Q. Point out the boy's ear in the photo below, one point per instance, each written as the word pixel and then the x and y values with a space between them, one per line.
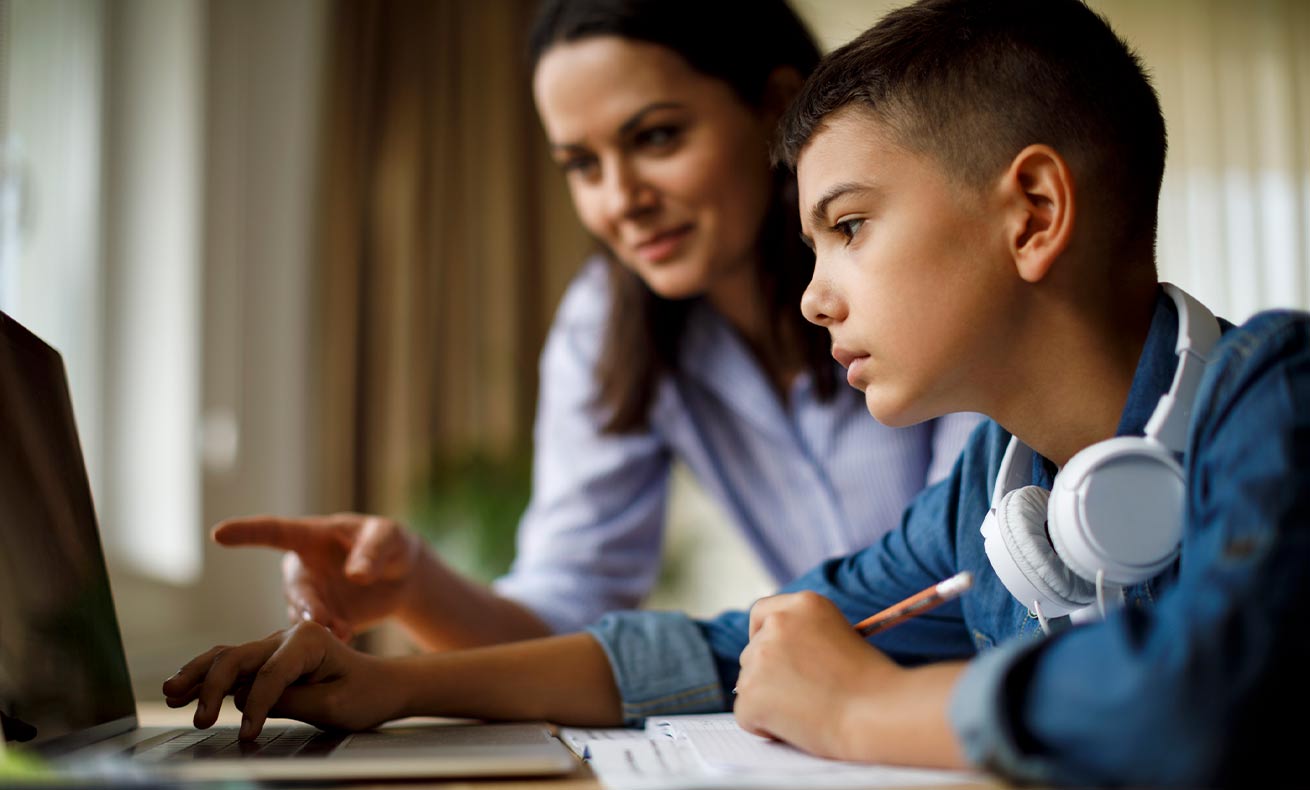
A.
pixel 1038 191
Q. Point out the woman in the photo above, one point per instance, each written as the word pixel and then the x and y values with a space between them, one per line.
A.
pixel 683 339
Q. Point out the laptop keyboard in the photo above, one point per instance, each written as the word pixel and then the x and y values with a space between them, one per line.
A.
pixel 222 742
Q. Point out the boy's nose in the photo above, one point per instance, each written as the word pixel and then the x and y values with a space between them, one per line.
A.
pixel 820 304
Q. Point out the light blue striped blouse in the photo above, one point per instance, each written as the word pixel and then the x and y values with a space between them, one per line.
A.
pixel 803 481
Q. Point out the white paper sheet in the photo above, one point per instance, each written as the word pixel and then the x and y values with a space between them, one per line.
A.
pixel 713 752
pixel 579 738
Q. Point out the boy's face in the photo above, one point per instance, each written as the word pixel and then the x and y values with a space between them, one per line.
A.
pixel 912 275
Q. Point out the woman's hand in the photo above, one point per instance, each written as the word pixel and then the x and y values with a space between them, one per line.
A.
pixel 346 571
pixel 302 673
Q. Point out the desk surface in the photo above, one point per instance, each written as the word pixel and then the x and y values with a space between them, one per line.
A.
pixel 157 714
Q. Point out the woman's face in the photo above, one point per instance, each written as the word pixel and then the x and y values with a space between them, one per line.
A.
pixel 666 166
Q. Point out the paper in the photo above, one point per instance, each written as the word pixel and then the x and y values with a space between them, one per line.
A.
pixel 579 738
pixel 645 764
pixel 713 752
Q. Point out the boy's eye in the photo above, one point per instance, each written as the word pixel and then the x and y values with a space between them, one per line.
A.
pixel 848 228
pixel 657 136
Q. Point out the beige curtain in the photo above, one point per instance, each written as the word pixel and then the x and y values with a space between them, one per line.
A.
pixel 446 240
pixel 1234 81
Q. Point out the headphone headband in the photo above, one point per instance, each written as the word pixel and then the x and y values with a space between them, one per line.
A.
pixel 1198 333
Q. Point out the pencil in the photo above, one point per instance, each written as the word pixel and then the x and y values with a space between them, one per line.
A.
pixel 916 604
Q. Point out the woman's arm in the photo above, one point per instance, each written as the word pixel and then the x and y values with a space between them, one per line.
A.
pixel 588 543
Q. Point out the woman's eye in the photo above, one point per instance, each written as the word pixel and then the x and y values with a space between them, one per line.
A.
pixel 657 136
pixel 577 164
pixel 848 228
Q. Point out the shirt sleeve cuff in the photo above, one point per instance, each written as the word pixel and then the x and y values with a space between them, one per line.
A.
pixel 661 664
pixel 981 712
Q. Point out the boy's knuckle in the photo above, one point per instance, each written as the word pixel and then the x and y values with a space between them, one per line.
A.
pixel 810 600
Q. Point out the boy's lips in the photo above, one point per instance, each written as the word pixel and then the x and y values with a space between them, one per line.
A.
pixel 851 360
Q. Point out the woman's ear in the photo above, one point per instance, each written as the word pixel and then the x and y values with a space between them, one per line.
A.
pixel 1038 191
pixel 782 87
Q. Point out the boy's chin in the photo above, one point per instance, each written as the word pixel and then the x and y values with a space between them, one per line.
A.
pixel 892 411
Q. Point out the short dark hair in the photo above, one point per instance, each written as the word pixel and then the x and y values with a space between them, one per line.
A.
pixel 973 82
pixel 740 43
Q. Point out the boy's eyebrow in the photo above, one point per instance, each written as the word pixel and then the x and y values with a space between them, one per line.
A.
pixel 627 126
pixel 820 210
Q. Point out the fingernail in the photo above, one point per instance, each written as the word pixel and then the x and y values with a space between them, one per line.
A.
pixel 246 729
pixel 200 710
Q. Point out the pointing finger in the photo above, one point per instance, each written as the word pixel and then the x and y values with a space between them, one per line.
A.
pixel 288 534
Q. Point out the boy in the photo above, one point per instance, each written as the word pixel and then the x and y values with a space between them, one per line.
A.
pixel 979 181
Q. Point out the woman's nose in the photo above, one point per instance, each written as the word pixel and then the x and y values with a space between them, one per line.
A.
pixel 627 194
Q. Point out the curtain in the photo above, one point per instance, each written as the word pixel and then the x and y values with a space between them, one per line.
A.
pixel 446 239
pixel 1234 81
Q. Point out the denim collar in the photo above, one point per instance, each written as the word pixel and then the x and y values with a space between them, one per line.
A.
pixel 1155 368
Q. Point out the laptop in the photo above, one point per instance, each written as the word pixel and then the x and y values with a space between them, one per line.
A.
pixel 64 687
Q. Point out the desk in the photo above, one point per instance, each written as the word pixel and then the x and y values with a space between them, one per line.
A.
pixel 157 714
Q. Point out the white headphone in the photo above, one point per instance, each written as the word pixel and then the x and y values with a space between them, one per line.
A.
pixel 1114 514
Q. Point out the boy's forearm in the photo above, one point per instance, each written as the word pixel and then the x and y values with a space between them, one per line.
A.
pixel 562 679
pixel 907 723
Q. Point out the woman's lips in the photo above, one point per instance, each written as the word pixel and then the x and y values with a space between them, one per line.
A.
pixel 663 245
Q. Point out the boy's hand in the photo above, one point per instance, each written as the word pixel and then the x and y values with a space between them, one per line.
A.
pixel 302 673
pixel 345 571
pixel 803 670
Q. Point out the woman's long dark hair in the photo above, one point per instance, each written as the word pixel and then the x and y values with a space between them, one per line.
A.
pixel 741 42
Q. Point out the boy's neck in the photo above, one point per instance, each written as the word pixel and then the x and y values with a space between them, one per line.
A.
pixel 1079 358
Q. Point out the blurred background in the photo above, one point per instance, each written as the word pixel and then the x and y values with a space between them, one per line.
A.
pixel 300 256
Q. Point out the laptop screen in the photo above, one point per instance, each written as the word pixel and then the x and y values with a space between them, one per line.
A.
pixel 62 669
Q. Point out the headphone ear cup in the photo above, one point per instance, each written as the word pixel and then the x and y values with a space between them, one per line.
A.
pixel 1117 507
pixel 1021 523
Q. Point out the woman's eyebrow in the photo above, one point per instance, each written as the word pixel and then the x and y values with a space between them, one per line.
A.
pixel 635 119
pixel 627 126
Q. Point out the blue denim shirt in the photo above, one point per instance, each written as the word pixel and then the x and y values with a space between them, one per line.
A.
pixel 1179 686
